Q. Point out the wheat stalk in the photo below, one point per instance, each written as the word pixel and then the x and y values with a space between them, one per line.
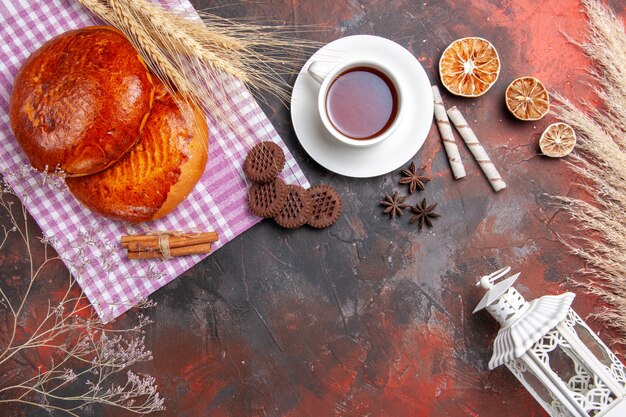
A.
pixel 201 59
pixel 601 159
pixel 179 33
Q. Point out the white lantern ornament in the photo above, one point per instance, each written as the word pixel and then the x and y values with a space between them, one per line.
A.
pixel 552 352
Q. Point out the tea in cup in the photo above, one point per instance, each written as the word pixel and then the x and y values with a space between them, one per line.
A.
pixel 359 102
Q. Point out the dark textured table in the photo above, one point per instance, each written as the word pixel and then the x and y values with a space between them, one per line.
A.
pixel 372 317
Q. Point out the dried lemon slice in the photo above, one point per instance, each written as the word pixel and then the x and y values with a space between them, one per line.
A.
pixel 469 67
pixel 527 98
pixel 557 140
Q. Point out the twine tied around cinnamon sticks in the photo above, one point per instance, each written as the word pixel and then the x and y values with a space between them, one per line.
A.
pixel 167 244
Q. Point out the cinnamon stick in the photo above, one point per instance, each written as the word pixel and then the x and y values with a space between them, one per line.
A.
pixel 151 242
pixel 179 251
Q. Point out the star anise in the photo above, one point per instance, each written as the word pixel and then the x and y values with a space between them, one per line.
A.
pixel 423 214
pixel 414 177
pixel 393 205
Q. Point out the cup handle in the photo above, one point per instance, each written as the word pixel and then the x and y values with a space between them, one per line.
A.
pixel 315 72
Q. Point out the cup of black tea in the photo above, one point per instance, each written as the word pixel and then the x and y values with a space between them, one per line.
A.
pixel 359 102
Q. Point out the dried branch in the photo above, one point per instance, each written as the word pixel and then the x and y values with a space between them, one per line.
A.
pixel 65 357
pixel 600 238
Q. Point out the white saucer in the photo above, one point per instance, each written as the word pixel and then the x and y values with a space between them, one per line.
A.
pixel 388 155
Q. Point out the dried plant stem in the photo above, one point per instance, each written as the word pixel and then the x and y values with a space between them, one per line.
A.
pixel 600 238
pixel 200 59
pixel 115 13
pixel 181 32
pixel 84 357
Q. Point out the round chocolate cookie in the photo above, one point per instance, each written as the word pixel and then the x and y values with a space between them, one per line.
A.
pixel 297 209
pixel 267 200
pixel 264 162
pixel 327 206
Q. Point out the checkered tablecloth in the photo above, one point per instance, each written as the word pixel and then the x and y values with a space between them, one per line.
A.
pixel 88 243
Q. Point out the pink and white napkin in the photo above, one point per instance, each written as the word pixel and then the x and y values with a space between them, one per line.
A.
pixel 88 243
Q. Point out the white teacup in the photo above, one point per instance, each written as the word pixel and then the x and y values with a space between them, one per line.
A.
pixel 326 78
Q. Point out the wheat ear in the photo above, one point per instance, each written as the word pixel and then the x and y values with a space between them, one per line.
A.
pixel 600 237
